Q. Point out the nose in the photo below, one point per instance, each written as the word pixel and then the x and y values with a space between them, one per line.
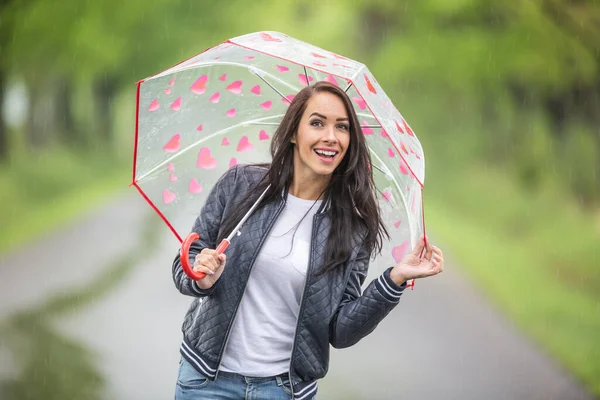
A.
pixel 329 136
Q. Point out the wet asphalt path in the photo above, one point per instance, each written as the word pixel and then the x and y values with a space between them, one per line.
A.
pixel 444 340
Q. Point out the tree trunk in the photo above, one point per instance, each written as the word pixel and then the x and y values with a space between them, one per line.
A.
pixel 33 132
pixel 64 114
pixel 3 130
pixel 105 89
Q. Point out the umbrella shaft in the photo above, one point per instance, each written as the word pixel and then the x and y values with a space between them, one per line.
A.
pixel 238 227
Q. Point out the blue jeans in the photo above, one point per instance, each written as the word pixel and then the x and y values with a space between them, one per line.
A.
pixel 192 385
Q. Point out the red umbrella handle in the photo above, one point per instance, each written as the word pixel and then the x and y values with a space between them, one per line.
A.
pixel 185 258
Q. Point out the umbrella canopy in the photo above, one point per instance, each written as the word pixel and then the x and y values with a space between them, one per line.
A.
pixel 221 107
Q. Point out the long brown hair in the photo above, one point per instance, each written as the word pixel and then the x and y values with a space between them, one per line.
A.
pixel 350 192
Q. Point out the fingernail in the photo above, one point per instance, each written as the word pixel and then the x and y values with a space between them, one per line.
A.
pixel 211 272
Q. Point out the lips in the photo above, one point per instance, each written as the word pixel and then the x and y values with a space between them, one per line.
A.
pixel 326 155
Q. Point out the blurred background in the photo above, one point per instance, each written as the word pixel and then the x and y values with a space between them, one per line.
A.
pixel 503 95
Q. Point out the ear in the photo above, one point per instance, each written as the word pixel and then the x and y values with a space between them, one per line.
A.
pixel 293 140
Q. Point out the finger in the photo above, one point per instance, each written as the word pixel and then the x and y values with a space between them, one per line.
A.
pixel 214 254
pixel 437 251
pixel 209 262
pixel 202 268
pixel 222 259
pixel 209 252
pixel 439 266
pixel 419 247
pixel 428 250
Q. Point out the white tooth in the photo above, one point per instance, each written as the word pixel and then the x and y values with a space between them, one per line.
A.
pixel 326 153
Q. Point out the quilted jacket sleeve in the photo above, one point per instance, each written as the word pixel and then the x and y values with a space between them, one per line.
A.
pixel 207 226
pixel 358 315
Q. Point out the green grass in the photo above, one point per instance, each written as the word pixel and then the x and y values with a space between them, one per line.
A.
pixel 38 194
pixel 536 257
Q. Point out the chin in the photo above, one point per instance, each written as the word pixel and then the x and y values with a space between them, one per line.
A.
pixel 327 171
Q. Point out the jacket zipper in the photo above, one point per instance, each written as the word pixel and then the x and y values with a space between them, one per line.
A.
pixel 235 314
pixel 308 271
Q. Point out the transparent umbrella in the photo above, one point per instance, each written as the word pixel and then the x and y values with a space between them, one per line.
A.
pixel 221 107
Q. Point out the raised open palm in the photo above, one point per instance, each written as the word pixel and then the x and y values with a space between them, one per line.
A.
pixel 415 266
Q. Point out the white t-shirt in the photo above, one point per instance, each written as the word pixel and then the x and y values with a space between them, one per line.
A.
pixel 261 339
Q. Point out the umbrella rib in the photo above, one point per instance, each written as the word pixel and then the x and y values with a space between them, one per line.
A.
pixel 306 75
pixel 272 87
pixel 371 126
pixel 348 87
pixel 264 123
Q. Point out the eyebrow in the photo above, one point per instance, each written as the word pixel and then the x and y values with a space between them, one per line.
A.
pixel 324 117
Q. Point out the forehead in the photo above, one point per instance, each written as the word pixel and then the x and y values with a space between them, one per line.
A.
pixel 327 104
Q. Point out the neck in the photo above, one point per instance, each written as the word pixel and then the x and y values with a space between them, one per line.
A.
pixel 308 189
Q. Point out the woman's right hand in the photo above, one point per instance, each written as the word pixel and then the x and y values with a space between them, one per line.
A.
pixel 211 263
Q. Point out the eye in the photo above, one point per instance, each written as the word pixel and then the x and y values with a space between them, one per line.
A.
pixel 343 127
pixel 316 122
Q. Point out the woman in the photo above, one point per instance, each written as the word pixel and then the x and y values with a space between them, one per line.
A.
pixel 261 327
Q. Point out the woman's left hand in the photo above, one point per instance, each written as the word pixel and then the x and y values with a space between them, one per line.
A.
pixel 412 266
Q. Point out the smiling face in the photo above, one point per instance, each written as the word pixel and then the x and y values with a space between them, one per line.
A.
pixel 322 138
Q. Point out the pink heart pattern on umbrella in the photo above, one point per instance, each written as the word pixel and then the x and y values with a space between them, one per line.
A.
pixel 154 105
pixel 398 252
pixel 263 135
pixel 235 87
pixel 244 144
pixel 172 145
pixel 168 197
pixel 176 104
pixel 194 187
pixel 215 98
pixel 360 102
pixel 199 87
pixel 303 81
pixel 331 79
pixel 205 159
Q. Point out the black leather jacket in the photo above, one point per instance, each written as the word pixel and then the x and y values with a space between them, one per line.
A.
pixel 332 309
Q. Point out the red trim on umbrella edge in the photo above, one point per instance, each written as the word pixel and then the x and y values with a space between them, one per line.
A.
pixel 137 119
pixel 189 58
pixel 157 211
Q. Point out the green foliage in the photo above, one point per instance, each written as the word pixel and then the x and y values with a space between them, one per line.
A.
pixel 579 164
pixel 40 193
pixel 534 257
pixel 533 151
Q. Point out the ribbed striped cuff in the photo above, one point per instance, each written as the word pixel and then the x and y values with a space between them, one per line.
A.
pixel 388 288
pixel 197 362
pixel 306 392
